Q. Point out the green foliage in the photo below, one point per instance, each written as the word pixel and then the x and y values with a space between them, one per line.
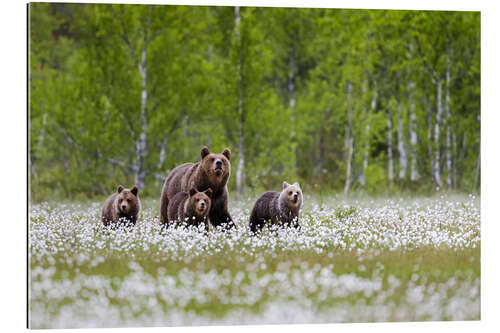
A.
pixel 376 178
pixel 293 83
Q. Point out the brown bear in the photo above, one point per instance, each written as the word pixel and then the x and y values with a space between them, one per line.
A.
pixel 121 207
pixel 191 208
pixel 280 208
pixel 211 172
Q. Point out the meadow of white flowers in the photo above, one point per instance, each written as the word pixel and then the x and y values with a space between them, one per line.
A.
pixel 331 270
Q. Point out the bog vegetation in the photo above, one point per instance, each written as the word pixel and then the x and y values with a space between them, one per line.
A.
pixel 352 261
pixel 339 100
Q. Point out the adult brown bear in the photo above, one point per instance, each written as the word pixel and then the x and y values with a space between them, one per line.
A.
pixel 211 172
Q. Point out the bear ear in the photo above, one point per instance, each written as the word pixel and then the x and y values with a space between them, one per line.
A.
pixel 192 191
pixel 296 184
pixel 227 153
pixel 285 185
pixel 120 188
pixel 209 192
pixel 134 190
pixel 204 152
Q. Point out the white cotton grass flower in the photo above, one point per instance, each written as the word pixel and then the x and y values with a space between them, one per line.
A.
pixel 85 275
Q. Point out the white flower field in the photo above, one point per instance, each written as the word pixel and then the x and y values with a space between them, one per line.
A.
pixel 412 259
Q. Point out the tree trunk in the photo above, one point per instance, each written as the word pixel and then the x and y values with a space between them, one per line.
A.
pixel 321 150
pixel 413 135
pixel 455 160
pixel 429 135
pixel 349 141
pixel 389 144
pixel 241 116
pixel 478 168
pixel 437 128
pixel 142 140
pixel 448 127
pixel 366 153
pixel 366 148
pixel 163 148
pixel 412 123
pixel 403 157
pixel 461 158
pixel 449 174
pixel 164 143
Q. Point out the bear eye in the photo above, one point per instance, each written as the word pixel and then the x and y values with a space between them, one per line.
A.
pixel 290 193
pixel 212 159
pixel 128 200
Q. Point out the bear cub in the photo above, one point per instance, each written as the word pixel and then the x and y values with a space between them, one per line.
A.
pixel 280 208
pixel 122 207
pixel 212 172
pixel 191 208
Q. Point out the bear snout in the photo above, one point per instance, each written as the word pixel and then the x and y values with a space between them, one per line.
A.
pixel 124 207
pixel 218 164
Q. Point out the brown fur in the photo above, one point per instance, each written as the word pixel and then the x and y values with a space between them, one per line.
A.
pixel 122 206
pixel 213 172
pixel 190 208
pixel 280 208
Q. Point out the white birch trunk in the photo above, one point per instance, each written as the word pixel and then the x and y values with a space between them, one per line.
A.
pixel 461 153
pixel 478 168
pixel 241 146
pixel 164 144
pixel 413 136
pixel 366 147
pixel 163 148
pixel 362 177
pixel 437 128
pixel 403 157
pixel 413 125
pixel 448 158
pixel 389 145
pixel 455 162
pixel 429 135
pixel 448 127
pixel 142 140
pixel 349 141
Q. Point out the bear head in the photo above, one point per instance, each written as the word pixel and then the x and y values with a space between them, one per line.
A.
pixel 216 166
pixel 291 195
pixel 199 201
pixel 127 201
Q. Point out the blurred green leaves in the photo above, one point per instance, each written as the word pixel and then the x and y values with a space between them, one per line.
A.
pixel 85 93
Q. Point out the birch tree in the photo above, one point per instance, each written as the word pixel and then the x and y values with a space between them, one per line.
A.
pixel 333 98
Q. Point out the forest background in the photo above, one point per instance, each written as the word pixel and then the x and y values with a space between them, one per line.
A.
pixel 343 101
